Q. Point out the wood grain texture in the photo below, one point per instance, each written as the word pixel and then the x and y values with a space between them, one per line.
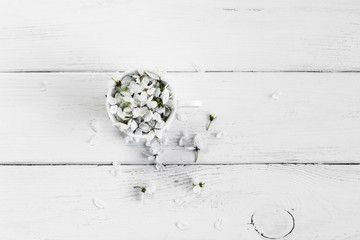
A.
pixel 56 202
pixel 315 119
pixel 261 35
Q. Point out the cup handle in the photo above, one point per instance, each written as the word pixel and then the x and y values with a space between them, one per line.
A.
pixel 189 103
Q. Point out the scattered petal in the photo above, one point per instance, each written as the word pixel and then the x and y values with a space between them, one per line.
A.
pixel 129 139
pixel 43 85
pixel 97 203
pixel 134 125
pixel 218 224
pixel 196 189
pixel 276 95
pixel 95 126
pixel 183 226
pixel 93 140
pixel 179 201
pixel 199 68
pixel 221 134
pixel 159 167
pixel 115 172
pixel 181 117
pixel 150 189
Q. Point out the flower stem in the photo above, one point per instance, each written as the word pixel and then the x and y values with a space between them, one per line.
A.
pixel 197 155
pixel 207 129
pixel 115 81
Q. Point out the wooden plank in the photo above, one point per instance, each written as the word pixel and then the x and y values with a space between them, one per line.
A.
pixel 314 119
pixel 57 202
pixel 226 35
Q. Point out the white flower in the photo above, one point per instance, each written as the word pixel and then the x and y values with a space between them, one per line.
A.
pixel 139 112
pixel 165 96
pixel 111 100
pixel 113 109
pixel 148 116
pixel 198 185
pixel 117 76
pixel 149 189
pixel 133 125
pixel 153 75
pixel 198 144
pixel 153 154
pixel 151 104
pixel 212 117
pixel 135 88
pixel 157 117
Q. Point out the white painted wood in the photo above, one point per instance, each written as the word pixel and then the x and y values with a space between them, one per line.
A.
pixel 311 117
pixel 98 35
pixel 56 202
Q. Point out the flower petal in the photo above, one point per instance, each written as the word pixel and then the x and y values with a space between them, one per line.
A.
pixel 134 125
pixel 113 109
pixel 144 127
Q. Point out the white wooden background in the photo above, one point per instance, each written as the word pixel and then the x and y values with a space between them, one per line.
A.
pixel 288 162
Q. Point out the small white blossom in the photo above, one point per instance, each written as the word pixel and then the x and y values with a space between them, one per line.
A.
pixel 149 189
pixel 212 117
pixel 155 154
pixel 198 185
pixel 197 145
pixel 165 96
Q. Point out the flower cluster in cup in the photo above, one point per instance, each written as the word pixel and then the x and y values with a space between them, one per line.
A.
pixel 141 103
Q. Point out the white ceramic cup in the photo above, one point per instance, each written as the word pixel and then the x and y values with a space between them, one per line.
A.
pixel 178 104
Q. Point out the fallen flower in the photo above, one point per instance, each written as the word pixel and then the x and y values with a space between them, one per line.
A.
pixel 212 117
pixel 198 144
pixel 198 185
pixel 149 189
pixel 154 154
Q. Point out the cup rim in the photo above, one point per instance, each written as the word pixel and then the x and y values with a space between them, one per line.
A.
pixel 113 119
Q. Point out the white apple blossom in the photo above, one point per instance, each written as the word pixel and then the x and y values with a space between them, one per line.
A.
pixel 149 189
pixel 155 154
pixel 197 185
pixel 212 117
pixel 198 144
